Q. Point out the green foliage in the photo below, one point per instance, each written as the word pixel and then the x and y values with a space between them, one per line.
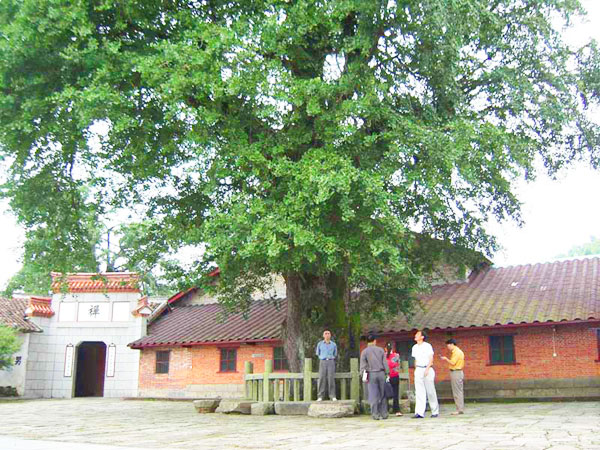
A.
pixel 290 137
pixel 9 344
pixel 589 248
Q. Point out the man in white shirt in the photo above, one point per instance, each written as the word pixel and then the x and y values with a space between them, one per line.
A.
pixel 424 377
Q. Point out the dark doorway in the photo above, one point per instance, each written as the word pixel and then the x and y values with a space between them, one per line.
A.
pixel 89 378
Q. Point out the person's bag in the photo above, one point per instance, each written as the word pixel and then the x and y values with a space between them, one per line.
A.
pixel 365 377
pixel 388 390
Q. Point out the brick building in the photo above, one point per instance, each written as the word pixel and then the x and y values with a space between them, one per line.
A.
pixel 530 331
pixel 527 331
pixel 191 352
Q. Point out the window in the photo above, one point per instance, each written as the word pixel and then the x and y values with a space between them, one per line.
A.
pixel 280 362
pixel 228 357
pixel 162 361
pixel 502 350
pixel 404 349
pixel 598 339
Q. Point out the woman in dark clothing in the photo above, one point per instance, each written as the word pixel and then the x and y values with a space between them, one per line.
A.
pixel 393 360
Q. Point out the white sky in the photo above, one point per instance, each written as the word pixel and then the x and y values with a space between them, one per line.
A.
pixel 558 214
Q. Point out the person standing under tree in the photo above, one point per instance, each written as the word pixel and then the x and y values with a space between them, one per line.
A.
pixel 327 352
pixel 424 377
pixel 393 360
pixel 373 362
pixel 456 364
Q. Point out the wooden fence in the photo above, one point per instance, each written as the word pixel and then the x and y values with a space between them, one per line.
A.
pixel 272 386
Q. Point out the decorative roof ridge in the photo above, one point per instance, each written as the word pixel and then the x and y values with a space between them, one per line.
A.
pixel 100 282
pixel 558 261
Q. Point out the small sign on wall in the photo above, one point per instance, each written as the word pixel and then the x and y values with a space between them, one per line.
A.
pixel 258 355
pixel 110 360
pixel 69 353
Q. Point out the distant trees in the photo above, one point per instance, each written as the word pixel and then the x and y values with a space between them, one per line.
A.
pixel 589 248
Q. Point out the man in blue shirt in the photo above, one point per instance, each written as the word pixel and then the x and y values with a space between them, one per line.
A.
pixel 327 352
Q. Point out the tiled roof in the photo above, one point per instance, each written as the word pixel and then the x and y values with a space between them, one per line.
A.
pixel 12 314
pixel 40 307
pixel 96 282
pixel 550 292
pixel 201 324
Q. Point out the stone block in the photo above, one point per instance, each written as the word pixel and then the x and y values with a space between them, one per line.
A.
pixel 586 382
pixel 262 408
pixel 405 406
pixel 207 405
pixel 292 408
pixel 234 407
pixel 548 383
pixel 331 410
pixel 365 407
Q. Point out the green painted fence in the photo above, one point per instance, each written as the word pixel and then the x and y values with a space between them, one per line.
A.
pixel 272 386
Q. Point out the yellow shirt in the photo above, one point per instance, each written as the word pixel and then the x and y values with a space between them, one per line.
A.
pixel 457 359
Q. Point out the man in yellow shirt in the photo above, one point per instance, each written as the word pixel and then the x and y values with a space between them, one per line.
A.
pixel 456 364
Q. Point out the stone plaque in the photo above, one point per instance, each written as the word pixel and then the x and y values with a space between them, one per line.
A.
pixel 69 360
pixel 110 360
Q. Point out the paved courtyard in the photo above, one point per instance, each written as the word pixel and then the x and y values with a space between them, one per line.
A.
pixel 94 424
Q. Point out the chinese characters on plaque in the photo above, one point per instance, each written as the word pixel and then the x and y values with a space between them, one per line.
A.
pixel 94 310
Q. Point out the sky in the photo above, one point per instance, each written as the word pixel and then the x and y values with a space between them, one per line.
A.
pixel 558 214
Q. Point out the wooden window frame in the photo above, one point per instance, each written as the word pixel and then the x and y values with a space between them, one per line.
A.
pixel 514 352
pixel 285 366
pixel 221 360
pixel 161 367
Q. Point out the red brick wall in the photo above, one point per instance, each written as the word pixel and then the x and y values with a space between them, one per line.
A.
pixel 576 350
pixel 199 365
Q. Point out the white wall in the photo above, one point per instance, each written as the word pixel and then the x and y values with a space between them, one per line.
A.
pixel 15 376
pixel 46 365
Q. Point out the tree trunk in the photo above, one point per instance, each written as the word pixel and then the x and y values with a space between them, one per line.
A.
pixel 292 331
pixel 313 304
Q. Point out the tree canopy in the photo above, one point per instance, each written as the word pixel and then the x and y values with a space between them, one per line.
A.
pixel 305 138
pixel 9 345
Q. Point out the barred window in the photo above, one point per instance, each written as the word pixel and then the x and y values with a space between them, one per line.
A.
pixel 404 349
pixel 162 361
pixel 502 350
pixel 228 359
pixel 280 361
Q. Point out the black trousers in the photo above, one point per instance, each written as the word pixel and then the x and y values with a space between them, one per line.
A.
pixel 395 382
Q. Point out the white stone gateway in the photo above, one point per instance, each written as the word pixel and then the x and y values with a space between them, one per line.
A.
pixel 87 323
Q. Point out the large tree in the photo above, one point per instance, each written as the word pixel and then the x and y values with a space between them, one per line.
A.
pixel 302 138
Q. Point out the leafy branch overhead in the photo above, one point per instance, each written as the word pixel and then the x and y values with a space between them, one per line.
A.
pixel 305 138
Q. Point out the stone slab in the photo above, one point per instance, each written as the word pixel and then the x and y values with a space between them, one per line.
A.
pixel 108 422
pixel 205 406
pixel 262 408
pixel 292 408
pixel 331 410
pixel 235 407
pixel 405 406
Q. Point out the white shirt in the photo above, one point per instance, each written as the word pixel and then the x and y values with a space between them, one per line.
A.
pixel 422 353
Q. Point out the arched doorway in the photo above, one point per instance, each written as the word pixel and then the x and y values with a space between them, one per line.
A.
pixel 91 361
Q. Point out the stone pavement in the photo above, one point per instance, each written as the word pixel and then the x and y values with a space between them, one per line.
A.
pixel 97 423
